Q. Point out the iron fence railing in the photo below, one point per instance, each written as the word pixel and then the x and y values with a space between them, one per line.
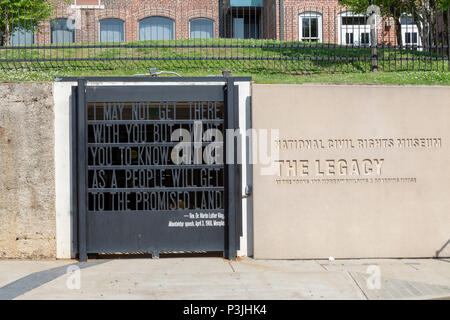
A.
pixel 266 37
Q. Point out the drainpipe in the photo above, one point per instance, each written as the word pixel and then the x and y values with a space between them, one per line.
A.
pixel 221 20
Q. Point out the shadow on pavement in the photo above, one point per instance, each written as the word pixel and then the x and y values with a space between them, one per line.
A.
pixel 37 279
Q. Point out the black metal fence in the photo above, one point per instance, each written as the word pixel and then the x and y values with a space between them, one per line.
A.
pixel 294 39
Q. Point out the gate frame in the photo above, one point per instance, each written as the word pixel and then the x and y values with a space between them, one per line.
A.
pixel 233 172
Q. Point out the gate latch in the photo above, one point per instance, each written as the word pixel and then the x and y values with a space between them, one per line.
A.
pixel 248 191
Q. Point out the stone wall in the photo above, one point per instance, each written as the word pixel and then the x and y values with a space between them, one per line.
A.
pixel 27 192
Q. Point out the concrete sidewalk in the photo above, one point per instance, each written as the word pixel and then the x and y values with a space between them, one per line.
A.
pixel 216 278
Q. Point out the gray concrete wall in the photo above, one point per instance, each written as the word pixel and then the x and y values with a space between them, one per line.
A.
pixel 27 192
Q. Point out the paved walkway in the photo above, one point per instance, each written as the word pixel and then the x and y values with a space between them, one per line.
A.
pixel 215 278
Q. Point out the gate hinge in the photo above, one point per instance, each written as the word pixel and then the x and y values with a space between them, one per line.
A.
pixel 248 191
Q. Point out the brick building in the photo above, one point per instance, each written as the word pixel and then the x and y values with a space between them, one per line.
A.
pixel 324 21
pixel 89 21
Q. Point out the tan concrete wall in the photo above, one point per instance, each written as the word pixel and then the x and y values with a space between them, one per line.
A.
pixel 27 193
pixel 392 201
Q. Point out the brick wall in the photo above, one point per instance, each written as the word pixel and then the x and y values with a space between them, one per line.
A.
pixel 271 19
pixel 329 10
pixel 182 11
pixel 87 2
pixel 131 12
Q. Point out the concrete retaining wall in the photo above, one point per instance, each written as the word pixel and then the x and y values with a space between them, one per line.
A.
pixel 407 215
pixel 27 192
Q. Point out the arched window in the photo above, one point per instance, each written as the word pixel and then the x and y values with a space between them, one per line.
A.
pixel 310 27
pixel 112 30
pixel 22 37
pixel 156 28
pixel 202 28
pixel 63 30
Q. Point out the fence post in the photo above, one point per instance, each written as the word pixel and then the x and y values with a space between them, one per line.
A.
pixel 374 53
pixel 373 41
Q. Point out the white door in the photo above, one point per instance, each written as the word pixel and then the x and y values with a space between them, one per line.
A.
pixel 410 32
pixel 353 30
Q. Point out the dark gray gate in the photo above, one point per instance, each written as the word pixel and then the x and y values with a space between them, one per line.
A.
pixel 129 195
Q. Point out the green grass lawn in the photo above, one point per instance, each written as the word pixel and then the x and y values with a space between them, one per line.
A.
pixel 271 61
pixel 212 55
pixel 392 78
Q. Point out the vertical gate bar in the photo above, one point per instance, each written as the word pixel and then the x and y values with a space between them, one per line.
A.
pixel 82 165
pixel 230 230
pixel 237 169
pixel 249 178
pixel 74 168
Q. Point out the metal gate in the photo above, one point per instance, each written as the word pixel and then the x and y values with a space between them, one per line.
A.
pixel 149 174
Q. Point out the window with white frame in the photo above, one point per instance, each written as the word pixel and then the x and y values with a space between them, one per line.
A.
pixel 310 27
